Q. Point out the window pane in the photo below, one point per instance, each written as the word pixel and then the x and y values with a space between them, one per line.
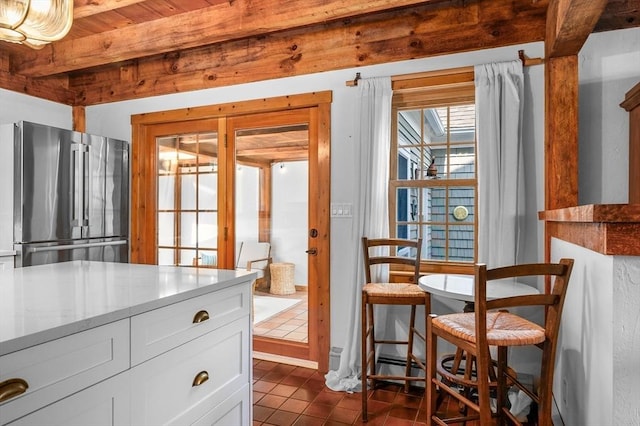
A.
pixel 462 204
pixel 462 163
pixel 461 242
pixel 208 191
pixel 165 229
pixel 435 203
pixel 435 125
pixel 409 127
pixel 462 123
pixel 188 194
pixel 166 192
pixel 165 256
pixel 408 231
pixel 187 258
pixel 433 242
pixel 188 230
pixel 208 230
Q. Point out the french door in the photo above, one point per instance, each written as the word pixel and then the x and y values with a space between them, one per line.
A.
pixel 194 182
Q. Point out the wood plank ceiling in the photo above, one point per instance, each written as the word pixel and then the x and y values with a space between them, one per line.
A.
pixel 126 49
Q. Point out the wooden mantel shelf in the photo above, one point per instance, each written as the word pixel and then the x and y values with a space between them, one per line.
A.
pixel 611 229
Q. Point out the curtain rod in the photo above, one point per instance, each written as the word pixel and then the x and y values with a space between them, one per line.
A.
pixel 526 62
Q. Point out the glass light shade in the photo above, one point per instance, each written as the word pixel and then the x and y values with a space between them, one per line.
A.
pixel 35 22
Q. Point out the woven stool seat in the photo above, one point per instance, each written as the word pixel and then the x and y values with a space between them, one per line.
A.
pixel 393 290
pixel 503 328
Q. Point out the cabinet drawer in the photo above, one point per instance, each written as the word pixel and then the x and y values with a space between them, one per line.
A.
pixel 56 369
pixel 160 330
pixel 163 390
pixel 104 404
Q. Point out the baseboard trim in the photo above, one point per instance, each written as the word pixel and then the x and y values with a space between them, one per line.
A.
pixel 285 360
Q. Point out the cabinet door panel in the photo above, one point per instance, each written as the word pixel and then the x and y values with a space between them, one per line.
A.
pixel 233 411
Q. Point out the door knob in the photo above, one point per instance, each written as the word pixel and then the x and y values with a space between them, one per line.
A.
pixel 312 251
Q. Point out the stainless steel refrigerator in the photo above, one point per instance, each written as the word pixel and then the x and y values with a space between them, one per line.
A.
pixel 71 196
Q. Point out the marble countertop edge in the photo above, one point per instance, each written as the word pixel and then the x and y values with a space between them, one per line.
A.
pixel 143 297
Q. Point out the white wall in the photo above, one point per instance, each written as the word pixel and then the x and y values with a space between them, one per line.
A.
pixel 15 107
pixel 609 66
pixel 598 357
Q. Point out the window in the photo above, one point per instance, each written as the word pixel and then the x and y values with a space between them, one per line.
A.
pixel 187 199
pixel 433 181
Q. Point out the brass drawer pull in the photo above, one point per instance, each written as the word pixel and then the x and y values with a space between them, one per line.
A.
pixel 11 388
pixel 201 316
pixel 200 378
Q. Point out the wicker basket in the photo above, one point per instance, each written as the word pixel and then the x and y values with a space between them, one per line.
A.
pixel 282 278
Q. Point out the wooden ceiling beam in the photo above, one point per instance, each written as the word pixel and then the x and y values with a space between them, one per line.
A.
pixel 85 8
pixel 423 31
pixel 52 89
pixel 228 21
pixel 569 23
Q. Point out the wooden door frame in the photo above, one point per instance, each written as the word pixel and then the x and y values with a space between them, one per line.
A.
pixel 143 191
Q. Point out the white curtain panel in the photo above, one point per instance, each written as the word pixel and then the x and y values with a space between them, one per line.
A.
pixel 499 106
pixel 370 213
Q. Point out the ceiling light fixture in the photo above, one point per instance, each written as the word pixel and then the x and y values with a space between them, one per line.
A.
pixel 35 22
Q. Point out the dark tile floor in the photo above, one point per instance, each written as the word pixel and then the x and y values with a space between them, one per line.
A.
pixel 289 395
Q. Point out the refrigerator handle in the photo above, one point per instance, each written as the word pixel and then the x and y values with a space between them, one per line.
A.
pixel 86 184
pixel 76 246
pixel 77 185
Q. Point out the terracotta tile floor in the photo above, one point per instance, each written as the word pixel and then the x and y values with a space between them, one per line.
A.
pixel 289 395
pixel 290 324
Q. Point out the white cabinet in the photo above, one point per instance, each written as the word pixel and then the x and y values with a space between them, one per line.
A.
pixel 184 363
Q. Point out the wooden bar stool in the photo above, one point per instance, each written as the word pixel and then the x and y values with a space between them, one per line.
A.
pixel 402 254
pixel 491 325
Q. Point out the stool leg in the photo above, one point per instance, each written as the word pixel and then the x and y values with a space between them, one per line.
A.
pixel 431 393
pixel 501 391
pixel 364 352
pixel 483 362
pixel 412 326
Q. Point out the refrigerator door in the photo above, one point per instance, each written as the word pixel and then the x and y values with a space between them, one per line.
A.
pixel 49 183
pixel 116 212
pixel 107 250
pixel 94 164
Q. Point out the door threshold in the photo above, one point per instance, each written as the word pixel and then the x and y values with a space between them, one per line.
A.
pixel 286 360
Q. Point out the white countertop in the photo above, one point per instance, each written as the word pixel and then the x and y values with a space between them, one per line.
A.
pixel 46 302
pixel 7 252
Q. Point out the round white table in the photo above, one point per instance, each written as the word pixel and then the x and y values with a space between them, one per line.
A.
pixel 462 287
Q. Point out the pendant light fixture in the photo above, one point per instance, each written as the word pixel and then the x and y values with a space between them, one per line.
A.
pixel 35 22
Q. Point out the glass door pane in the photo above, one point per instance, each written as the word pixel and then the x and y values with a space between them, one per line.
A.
pixel 271 187
pixel 187 199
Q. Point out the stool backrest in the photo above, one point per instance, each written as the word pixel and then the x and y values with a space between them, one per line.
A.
pixel 559 273
pixel 391 251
